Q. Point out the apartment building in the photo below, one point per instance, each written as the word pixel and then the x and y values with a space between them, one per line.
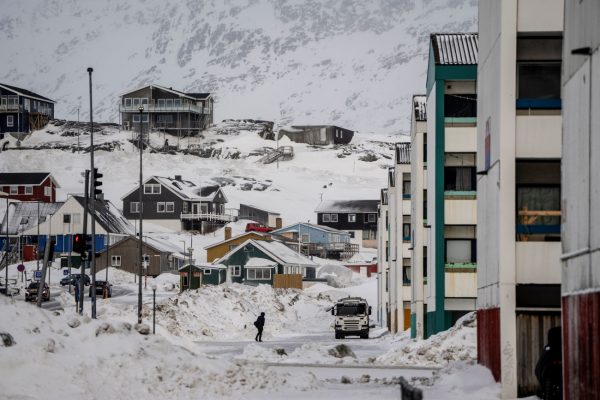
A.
pixel 418 216
pixel 382 259
pixel 518 186
pixel 581 185
pixel 451 187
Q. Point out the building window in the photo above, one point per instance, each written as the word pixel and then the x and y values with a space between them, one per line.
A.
pixel 334 218
pixel 134 207
pixel 351 233
pixel 14 190
pixel 232 246
pixel 66 218
pixel 369 235
pixel 207 271
pixel 160 207
pixel 406 232
pixel 305 238
pixel 10 121
pixel 351 217
pixel 326 218
pixel 406 186
pixel 255 274
pixel 115 261
pixel 460 105
pixel 372 217
pixel 136 117
pixel 236 270
pixel 152 188
pixel 460 178
pixel 47 191
pixel 460 251
pixel 128 103
pixel 538 80
pixel 177 102
pixel 170 207
pixel 28 189
pixel 164 119
pixel 185 207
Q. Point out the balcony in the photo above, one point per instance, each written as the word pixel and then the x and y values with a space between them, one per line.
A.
pixel 461 283
pixel 154 108
pixel 208 217
pixel 10 108
pixel 538 262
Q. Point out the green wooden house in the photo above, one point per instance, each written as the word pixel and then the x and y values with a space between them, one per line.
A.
pixel 194 276
pixel 255 261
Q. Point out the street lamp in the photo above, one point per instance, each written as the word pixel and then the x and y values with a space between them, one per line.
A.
pixel 140 210
pixel 154 308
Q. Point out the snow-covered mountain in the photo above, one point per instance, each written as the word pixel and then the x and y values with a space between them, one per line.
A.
pixel 353 63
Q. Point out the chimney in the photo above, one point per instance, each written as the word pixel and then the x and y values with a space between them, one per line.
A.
pixel 278 223
pixel 227 233
pixel 178 178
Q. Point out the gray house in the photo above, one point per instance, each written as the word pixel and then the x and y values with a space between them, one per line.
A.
pixel 261 215
pixel 167 110
pixel 317 134
pixel 176 204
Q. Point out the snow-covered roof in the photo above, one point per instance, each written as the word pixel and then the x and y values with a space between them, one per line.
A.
pixel 276 250
pixel 403 153
pixel 324 228
pixel 184 189
pixel 24 215
pixel 109 217
pixel 455 48
pixel 260 262
pixel 193 96
pixel 201 266
pixel 348 206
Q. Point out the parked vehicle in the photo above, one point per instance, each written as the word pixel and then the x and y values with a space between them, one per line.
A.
pixel 100 285
pixel 74 278
pixel 32 291
pixel 256 227
pixel 351 317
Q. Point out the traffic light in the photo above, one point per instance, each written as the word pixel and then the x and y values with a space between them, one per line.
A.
pixel 96 183
pixel 82 244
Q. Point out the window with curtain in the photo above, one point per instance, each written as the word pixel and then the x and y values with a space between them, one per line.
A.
pixel 538 198
pixel 460 178
pixel 460 251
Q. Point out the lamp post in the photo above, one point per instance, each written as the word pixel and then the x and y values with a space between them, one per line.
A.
pixel 140 211
pixel 154 308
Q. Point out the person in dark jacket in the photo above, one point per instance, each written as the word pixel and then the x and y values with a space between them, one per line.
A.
pixel 549 367
pixel 259 324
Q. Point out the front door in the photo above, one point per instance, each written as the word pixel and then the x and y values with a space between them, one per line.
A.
pixel 204 208
pixel 195 208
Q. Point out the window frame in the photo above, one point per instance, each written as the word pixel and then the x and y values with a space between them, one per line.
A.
pixel 134 207
pixel 371 217
pixel 115 260
pixel 254 270
pixel 171 205
pixel 326 217
pixel 14 189
pixel 334 218
pixel 152 187
pixel 237 268
pixel 159 205
pixel 207 271
pixel 351 217
pixel 10 121
pixel 28 189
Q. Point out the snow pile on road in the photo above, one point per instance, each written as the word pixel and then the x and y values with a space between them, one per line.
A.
pixel 458 343
pixel 308 353
pixel 111 359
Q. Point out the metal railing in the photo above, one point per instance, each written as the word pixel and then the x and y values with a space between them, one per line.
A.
pixel 159 108
pixel 209 217
pixel 11 107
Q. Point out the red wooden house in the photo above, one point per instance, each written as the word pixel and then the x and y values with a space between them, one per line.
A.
pixel 29 186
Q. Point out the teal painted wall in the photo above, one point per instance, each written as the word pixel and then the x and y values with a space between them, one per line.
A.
pixel 241 257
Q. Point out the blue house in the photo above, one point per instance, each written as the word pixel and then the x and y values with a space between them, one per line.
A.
pixel 320 240
pixel 22 110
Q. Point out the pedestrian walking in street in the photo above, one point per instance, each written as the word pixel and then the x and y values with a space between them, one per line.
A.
pixel 259 324
pixel 76 292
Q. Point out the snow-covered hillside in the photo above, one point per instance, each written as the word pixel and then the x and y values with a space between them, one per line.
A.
pixel 294 188
pixel 347 62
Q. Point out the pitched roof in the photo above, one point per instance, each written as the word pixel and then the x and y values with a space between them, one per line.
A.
pixel 108 216
pixel 455 48
pixel 318 227
pixel 259 208
pixel 184 189
pixel 24 215
pixel 420 107
pixel 158 245
pixel 26 93
pixel 267 235
pixel 193 96
pixel 260 262
pixel 276 250
pixel 24 178
pixel 348 206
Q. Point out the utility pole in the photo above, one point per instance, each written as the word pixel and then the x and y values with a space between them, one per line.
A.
pixel 140 211
pixel 92 257
pixel 48 251
pixel 37 245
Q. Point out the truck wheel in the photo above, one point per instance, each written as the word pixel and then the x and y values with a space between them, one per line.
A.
pixel 364 336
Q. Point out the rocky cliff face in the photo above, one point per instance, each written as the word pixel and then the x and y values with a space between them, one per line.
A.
pixel 353 63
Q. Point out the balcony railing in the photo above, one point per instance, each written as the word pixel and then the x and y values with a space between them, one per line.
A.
pixel 209 217
pixel 10 107
pixel 155 108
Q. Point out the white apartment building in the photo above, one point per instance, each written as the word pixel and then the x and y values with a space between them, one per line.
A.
pixel 383 306
pixel 519 186
pixel 420 231
pixel 580 198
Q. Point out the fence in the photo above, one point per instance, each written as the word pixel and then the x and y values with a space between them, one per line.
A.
pixel 287 281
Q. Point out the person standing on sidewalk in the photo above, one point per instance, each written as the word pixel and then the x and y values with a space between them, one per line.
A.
pixel 259 324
